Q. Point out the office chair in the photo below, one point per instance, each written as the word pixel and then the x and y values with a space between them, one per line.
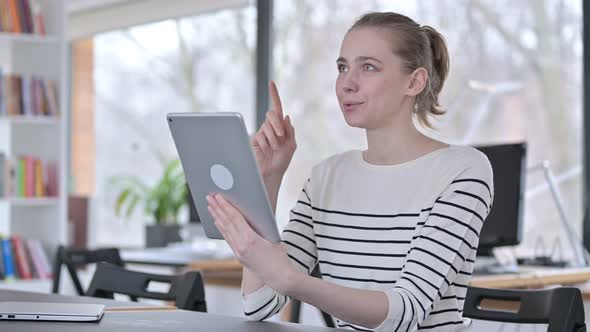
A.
pixel 74 259
pixel 562 308
pixel 187 290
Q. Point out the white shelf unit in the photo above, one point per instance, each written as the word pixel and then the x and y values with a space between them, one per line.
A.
pixel 38 120
pixel 42 137
pixel 35 285
pixel 28 38
pixel 31 202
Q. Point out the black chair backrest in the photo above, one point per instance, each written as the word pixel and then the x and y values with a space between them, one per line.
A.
pixel 562 308
pixel 186 290
pixel 74 259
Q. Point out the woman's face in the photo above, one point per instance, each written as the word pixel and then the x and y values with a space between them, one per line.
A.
pixel 371 85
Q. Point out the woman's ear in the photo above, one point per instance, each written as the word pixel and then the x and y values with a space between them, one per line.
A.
pixel 418 81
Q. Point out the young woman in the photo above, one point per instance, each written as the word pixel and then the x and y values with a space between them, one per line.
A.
pixel 393 228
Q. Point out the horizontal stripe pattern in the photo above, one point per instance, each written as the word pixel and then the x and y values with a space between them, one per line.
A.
pixel 442 252
pixel 422 249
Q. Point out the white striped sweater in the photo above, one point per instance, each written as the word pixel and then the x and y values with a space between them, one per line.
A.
pixel 410 230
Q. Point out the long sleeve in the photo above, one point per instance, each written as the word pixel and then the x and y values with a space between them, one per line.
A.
pixel 299 240
pixel 439 251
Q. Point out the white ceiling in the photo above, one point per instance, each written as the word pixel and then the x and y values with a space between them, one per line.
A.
pixel 89 17
pixel 73 6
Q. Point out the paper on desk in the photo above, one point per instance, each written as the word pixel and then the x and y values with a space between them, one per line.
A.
pixel 204 247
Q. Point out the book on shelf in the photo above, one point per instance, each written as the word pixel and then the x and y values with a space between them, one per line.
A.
pixel 23 259
pixel 52 179
pixel 14 19
pixel 40 256
pixel 5 23
pixel 38 19
pixel 4 176
pixel 7 258
pixel 3 91
pixel 27 177
pixel 37 268
pixel 21 16
pixel 28 95
pixel 2 270
pixel 20 257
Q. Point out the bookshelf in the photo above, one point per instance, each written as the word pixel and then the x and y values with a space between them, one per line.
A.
pixel 38 120
pixel 31 202
pixel 36 285
pixel 8 37
pixel 38 136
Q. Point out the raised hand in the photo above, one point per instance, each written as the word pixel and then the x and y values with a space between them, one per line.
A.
pixel 274 144
pixel 269 261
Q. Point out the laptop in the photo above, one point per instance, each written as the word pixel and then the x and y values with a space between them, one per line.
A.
pixel 215 153
pixel 46 311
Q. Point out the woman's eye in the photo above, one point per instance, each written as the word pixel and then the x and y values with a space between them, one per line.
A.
pixel 342 68
pixel 369 67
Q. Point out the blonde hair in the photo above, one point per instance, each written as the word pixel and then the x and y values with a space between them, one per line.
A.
pixel 418 46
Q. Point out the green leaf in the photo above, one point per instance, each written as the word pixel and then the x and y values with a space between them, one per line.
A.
pixel 132 205
pixel 162 201
pixel 121 200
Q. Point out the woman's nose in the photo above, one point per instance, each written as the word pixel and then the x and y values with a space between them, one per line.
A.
pixel 350 83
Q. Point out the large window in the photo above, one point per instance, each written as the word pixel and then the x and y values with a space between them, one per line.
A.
pixel 515 75
pixel 192 64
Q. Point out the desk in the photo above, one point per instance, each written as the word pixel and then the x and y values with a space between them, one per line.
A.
pixel 170 257
pixel 534 278
pixel 216 270
pixel 179 320
pixel 142 320
pixel 228 272
pixel 112 305
pixel 220 272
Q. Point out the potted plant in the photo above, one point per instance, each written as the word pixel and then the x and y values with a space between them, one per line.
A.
pixel 162 202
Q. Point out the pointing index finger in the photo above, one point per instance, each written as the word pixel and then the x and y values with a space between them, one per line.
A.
pixel 276 99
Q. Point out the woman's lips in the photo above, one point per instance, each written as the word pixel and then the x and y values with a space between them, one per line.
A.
pixel 351 107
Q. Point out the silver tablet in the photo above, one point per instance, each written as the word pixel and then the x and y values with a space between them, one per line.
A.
pixel 75 312
pixel 215 153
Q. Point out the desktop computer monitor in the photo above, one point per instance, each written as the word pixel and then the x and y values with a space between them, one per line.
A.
pixel 503 226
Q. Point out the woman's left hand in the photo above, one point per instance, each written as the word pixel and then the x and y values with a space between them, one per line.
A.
pixel 268 260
